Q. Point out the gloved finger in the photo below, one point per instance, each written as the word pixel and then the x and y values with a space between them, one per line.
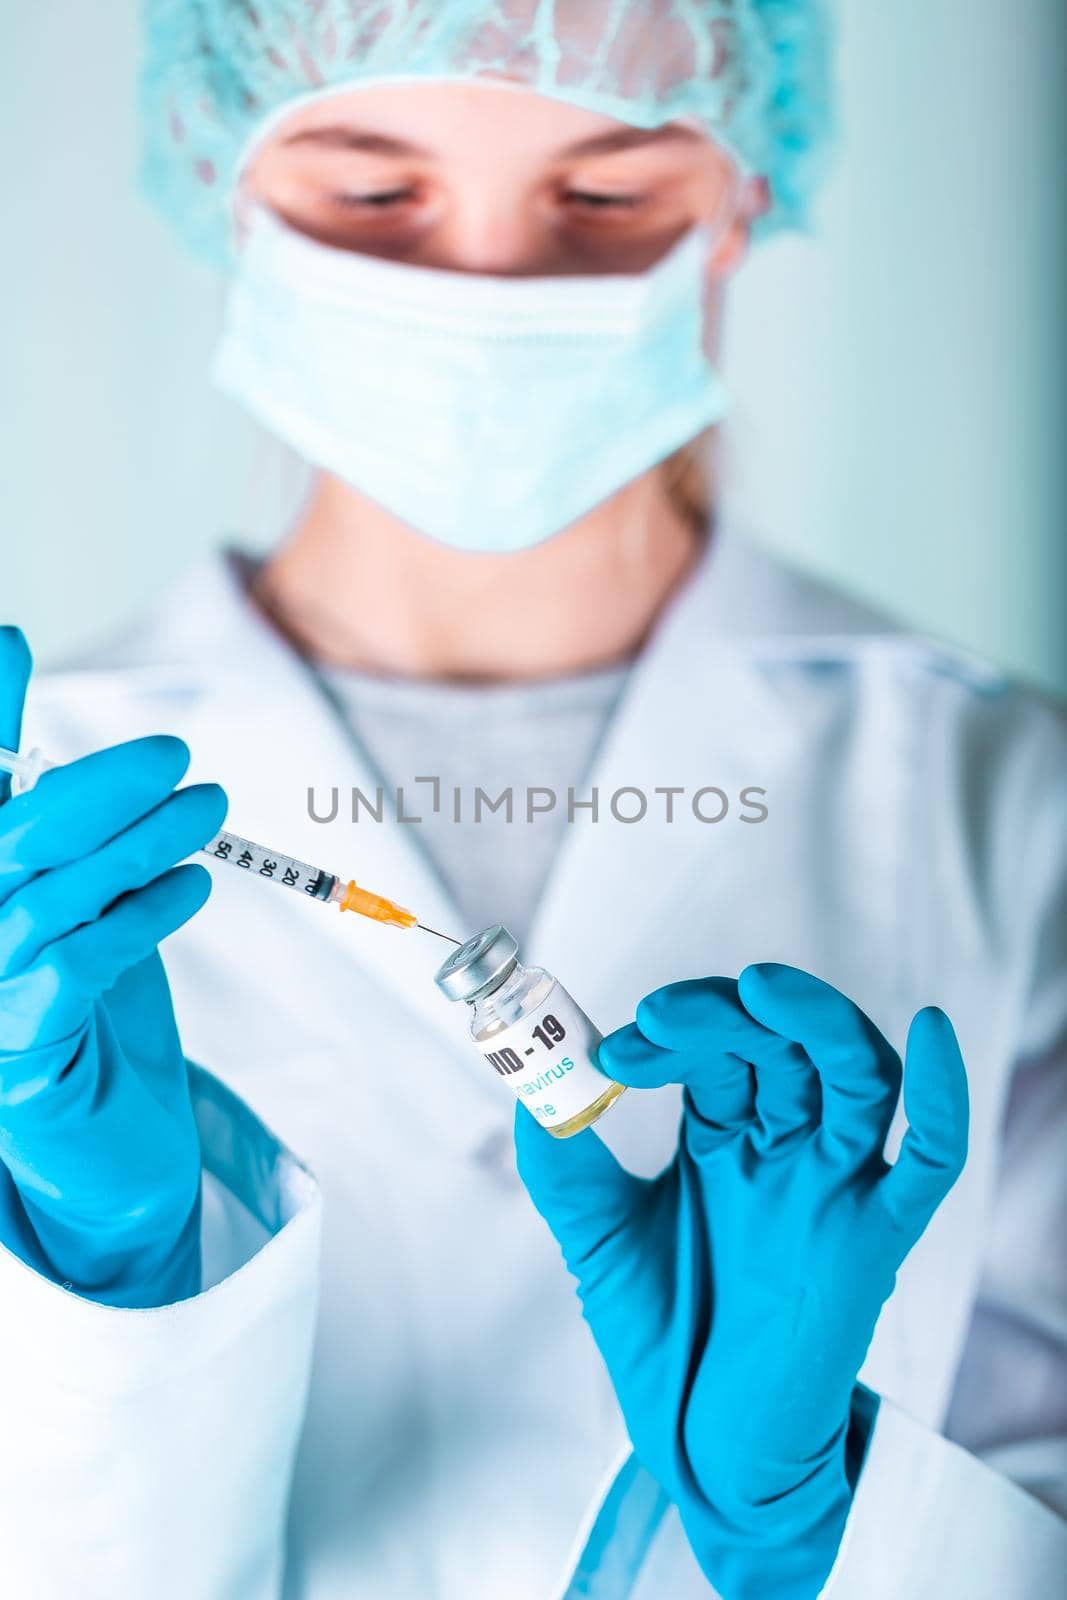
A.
pixel 96 954
pixel 76 808
pixel 55 903
pixel 697 1029
pixel 50 999
pixel 859 1071
pixel 788 1093
pixel 15 667
pixel 705 1015
pixel 588 1200
pixel 718 1088
pixel 934 1149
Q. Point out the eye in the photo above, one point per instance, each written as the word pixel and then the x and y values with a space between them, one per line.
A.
pixel 590 200
pixel 380 200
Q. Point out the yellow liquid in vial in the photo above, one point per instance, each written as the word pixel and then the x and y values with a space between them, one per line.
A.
pixel 584 1119
pixel 540 987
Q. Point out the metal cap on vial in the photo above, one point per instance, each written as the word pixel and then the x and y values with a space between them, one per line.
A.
pixel 484 960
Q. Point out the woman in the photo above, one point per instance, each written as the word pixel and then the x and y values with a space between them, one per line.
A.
pixel 478 273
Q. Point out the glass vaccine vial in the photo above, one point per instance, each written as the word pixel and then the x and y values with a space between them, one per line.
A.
pixel 530 1031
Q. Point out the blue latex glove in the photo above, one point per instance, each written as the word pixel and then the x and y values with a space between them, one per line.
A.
pixel 733 1297
pixel 102 1183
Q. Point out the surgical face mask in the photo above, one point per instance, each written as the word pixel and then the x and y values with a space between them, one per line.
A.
pixel 486 412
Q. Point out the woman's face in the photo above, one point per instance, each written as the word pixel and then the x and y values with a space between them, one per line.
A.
pixel 475 178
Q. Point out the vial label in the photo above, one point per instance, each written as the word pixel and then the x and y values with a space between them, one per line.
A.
pixel 548 1058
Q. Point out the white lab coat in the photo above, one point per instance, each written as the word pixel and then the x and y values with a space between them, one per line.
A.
pixel 448 1431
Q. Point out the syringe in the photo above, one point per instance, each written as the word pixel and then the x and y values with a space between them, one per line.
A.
pixel 270 866
pixel 24 770
pixel 315 882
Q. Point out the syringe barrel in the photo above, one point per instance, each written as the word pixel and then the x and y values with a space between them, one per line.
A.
pixel 291 873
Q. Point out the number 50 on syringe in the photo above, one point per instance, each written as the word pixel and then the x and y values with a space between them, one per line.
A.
pixel 266 866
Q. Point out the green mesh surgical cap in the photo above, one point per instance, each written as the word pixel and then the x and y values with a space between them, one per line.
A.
pixel 753 73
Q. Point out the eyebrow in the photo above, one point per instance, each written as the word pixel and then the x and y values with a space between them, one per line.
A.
pixel 629 139
pixel 343 137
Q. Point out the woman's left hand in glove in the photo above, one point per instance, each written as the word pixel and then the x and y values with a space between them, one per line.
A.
pixel 734 1297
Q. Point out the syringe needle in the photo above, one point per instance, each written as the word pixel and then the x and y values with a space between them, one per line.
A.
pixel 437 935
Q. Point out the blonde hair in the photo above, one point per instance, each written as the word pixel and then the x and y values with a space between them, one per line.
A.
pixel 686 476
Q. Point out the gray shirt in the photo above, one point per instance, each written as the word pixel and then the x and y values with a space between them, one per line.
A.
pixel 520 738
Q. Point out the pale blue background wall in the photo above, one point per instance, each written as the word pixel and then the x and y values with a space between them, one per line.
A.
pixel 899 379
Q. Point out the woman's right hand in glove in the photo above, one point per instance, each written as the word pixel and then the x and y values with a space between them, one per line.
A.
pixel 100 1175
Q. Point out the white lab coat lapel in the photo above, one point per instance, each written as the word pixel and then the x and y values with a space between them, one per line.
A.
pixel 265 730
pixel 695 714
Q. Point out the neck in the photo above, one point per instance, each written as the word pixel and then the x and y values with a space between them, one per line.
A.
pixel 353 586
